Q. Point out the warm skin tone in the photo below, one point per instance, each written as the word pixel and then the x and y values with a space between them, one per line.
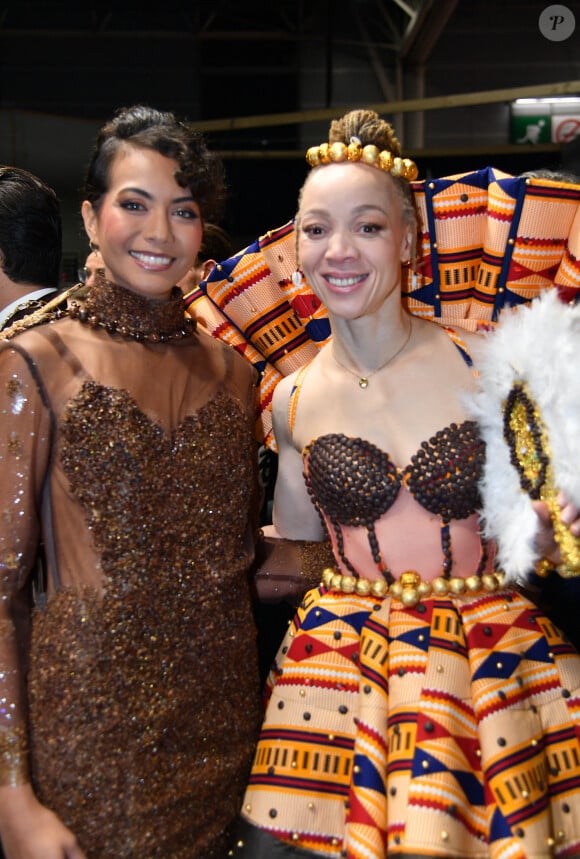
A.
pixel 352 240
pixel 148 230
pixel 147 227
pixel 92 263
pixel 196 274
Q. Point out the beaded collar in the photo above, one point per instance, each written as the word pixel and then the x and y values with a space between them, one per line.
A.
pixel 122 312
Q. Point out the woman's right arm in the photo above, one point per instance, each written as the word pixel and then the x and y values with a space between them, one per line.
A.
pixel 294 515
pixel 28 830
pixel 293 555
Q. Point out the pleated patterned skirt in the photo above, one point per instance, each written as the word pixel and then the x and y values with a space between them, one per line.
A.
pixel 451 729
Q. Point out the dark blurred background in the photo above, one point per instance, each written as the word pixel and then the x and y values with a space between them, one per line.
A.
pixel 262 80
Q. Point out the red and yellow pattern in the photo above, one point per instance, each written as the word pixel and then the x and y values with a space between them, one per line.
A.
pixel 448 730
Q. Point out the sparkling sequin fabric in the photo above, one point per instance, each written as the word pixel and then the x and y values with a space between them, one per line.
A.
pixel 143 685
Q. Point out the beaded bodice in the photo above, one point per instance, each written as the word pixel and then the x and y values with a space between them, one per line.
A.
pixel 353 483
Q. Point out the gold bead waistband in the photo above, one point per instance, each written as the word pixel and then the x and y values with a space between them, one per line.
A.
pixel 410 588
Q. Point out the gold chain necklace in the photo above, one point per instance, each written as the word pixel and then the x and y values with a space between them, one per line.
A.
pixel 363 381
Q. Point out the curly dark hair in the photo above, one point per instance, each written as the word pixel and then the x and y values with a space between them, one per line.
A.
pixel 200 170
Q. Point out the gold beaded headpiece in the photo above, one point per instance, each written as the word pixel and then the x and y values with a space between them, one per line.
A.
pixel 338 151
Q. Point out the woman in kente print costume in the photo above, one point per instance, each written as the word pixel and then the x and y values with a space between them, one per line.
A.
pixel 418 706
pixel 128 724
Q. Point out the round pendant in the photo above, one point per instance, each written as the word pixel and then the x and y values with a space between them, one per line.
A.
pixel 363 382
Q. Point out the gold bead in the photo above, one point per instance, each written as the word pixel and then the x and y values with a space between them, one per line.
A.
pixel 370 153
pixel 440 586
pixel 324 153
pixel 385 160
pixel 313 156
pixel 248 807
pixel 410 579
pixel 456 585
pixel 335 582
pixel 396 589
pixel 444 835
pixel 550 842
pixel 379 588
pixel 348 584
pixel 337 151
pixel 489 582
pixel 295 836
pixel 424 589
pixel 410 597
pixel 363 587
pixel 327 575
pixel 354 150
pixel 410 169
pixel 397 168
pixel 310 805
pixel 473 583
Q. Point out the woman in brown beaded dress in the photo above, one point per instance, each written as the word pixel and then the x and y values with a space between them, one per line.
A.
pixel 128 721
pixel 418 707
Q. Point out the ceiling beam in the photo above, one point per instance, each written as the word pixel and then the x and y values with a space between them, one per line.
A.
pixel 425 31
pixel 435 103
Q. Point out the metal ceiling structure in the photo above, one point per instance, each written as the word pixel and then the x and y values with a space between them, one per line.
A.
pixel 243 39
pixel 262 78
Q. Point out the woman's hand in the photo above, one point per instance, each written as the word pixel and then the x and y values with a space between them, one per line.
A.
pixel 545 540
pixel 29 830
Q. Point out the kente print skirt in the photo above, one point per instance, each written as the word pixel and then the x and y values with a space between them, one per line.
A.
pixel 450 729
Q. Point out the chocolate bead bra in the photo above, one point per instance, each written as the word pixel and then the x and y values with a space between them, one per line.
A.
pixel 353 483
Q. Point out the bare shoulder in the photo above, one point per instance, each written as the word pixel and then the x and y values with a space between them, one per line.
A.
pixel 280 410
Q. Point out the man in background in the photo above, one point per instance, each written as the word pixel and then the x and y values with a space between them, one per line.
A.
pixel 30 244
pixel 216 246
pixel 93 263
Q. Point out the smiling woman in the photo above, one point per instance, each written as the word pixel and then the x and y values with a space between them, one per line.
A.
pixel 126 444
pixel 145 225
pixel 419 705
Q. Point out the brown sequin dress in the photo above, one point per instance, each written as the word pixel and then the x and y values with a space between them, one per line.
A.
pixel 134 459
